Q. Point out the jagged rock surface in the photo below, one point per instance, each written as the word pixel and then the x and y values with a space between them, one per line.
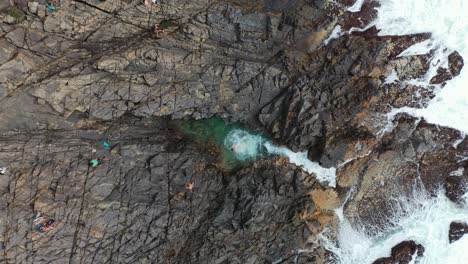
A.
pixel 136 207
pixel 457 231
pixel 404 253
pixel 93 70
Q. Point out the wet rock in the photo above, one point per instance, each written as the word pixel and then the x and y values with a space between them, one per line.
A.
pixel 457 231
pixel 362 18
pixel 407 159
pixel 455 188
pixel 403 253
pixel 441 76
pixel 455 63
pixel 306 110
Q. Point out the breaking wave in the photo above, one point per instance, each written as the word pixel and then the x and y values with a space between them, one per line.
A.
pixel 421 218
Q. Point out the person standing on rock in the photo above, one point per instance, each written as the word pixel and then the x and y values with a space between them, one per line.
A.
pixel 157 31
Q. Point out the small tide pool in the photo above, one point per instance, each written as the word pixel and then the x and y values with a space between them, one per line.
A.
pixel 237 146
pixel 233 144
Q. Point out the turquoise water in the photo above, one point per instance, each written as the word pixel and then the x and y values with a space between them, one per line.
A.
pixel 234 145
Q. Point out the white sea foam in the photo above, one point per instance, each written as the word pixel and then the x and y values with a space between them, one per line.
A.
pixel 422 218
pixel 458 172
pixel 324 175
pixel 356 7
pixel 420 48
pixel 392 78
pixel 448 23
pixel 247 146
pixel 336 33
pixel 458 141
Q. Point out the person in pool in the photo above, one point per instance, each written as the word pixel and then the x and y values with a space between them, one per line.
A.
pixel 243 145
pixel 236 146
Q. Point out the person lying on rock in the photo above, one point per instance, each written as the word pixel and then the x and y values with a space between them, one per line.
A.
pixel 95 162
pixel 43 223
pixel 45 226
pixel 52 6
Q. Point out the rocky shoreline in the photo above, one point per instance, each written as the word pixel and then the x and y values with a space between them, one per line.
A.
pixel 92 70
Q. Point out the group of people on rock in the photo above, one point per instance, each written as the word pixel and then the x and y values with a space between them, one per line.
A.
pixel 42 222
pixel 98 161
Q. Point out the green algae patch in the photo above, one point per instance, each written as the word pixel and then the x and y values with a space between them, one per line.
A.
pixel 16 13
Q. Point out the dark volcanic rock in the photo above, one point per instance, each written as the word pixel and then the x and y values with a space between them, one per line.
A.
pixel 455 63
pixel 362 18
pixel 402 253
pixel 442 76
pixel 94 70
pixel 455 188
pixel 457 230
pixel 302 114
pixel 410 157
pixel 139 201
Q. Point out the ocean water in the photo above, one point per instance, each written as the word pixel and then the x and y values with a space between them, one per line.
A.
pixel 447 21
pixel 422 218
pixel 356 7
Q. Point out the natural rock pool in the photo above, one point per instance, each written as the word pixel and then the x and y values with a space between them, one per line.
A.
pixel 233 144
pixel 237 146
